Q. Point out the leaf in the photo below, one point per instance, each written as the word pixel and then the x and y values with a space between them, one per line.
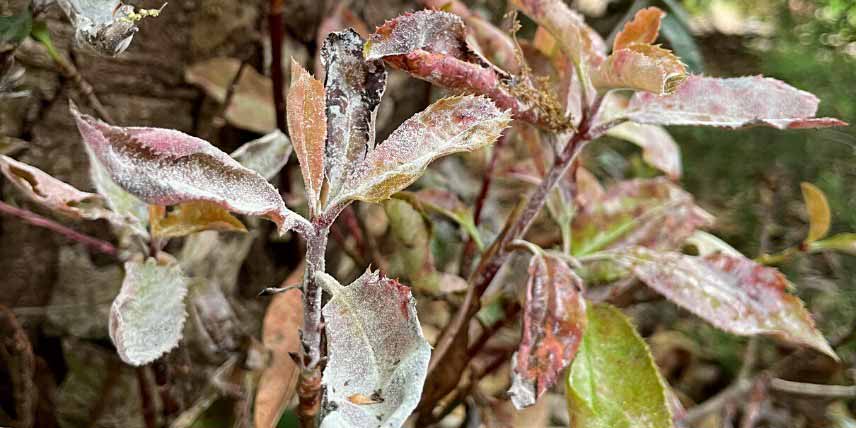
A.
pixel 412 259
pixel 102 26
pixel 307 124
pixel 706 244
pixel 819 216
pixel 147 316
pixel 167 167
pixel 554 319
pixel 281 335
pixel 448 126
pixel 432 31
pixel 14 29
pixel 266 155
pixel 658 147
pixel 845 242
pixel 641 67
pixel 653 213
pixel 733 293
pixel 613 382
pixel 354 89
pixel 130 207
pixel 376 348
pixel 55 194
pixel 579 41
pixel 730 103
pixel 251 106
pixel 192 217
pixel 643 29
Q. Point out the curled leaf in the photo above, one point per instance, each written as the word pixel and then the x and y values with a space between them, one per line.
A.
pixel 55 194
pixel 103 26
pixel 147 316
pixel 614 382
pixel 658 147
pixel 266 155
pixel 307 124
pixel 376 350
pixel 641 67
pixel 433 31
pixel 554 319
pixel 167 167
pixel 732 293
pixel 819 216
pixel 448 126
pixel 643 29
pixel 191 217
pixel 730 103
pixel 354 89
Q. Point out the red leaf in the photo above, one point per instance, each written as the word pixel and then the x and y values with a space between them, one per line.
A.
pixel 307 124
pixel 553 323
pixel 731 292
pixel 730 103
pixel 642 29
pixel 168 167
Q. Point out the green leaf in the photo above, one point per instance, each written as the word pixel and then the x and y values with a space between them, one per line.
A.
pixel 819 216
pixel 147 317
pixel 15 28
pixel 613 382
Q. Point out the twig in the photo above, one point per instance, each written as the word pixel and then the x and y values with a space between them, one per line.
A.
pixel 17 354
pixel 220 119
pixel 37 220
pixel 309 386
pixel 813 389
pixel 276 35
pixel 752 409
pixel 146 400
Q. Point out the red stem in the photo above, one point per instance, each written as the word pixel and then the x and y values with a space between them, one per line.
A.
pixel 37 220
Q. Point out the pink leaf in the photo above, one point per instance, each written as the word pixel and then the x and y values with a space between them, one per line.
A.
pixel 730 103
pixel 641 67
pixel 307 124
pixel 432 31
pixel 579 41
pixel 168 167
pixel 553 323
pixel 731 292
pixel 658 147
pixel 354 89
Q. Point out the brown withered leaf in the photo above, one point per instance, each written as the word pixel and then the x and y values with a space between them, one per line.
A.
pixel 641 67
pixel 340 19
pixel 280 334
pixel 819 216
pixel 554 319
pixel 730 103
pixel 168 167
pixel 354 89
pixel 251 106
pixel 307 125
pixel 448 126
pixel 54 194
pixel 731 292
pixel 191 217
pixel 654 213
pixel 644 29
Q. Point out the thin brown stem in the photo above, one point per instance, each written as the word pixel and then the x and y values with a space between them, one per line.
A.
pixel 277 33
pixel 309 387
pixel 37 220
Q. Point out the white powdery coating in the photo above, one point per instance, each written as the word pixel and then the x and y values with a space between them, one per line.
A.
pixel 147 316
pixel 354 88
pixel 266 155
pixel 376 350
pixel 730 103
pixel 434 31
pixel 167 167
pixel 101 25
pixel 448 126
pixel 131 208
pixel 734 294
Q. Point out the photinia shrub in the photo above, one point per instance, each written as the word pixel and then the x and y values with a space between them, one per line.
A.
pixel 362 358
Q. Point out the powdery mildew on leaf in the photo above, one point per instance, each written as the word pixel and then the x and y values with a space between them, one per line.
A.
pixel 55 194
pixel 266 155
pixel 376 350
pixel 579 41
pixel 167 167
pixel 654 213
pixel 554 319
pixel 130 207
pixel 354 88
pixel 102 26
pixel 307 125
pixel 641 67
pixel 732 293
pixel 613 382
pixel 730 103
pixel 433 31
pixel 659 149
pixel 147 316
pixel 448 126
